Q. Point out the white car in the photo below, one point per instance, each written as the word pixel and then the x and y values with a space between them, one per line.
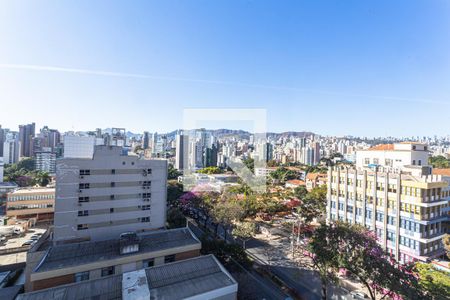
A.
pixel 358 295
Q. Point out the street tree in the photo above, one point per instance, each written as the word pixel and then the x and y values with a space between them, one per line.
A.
pixel 436 283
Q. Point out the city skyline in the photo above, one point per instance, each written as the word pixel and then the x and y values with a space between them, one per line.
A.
pixel 318 67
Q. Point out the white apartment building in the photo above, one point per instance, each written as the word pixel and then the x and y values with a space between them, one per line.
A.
pixel 394 155
pixel 393 192
pixel 100 197
pixel 11 150
pixel 45 160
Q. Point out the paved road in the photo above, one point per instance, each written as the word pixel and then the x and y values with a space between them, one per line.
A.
pixel 275 254
pixel 251 284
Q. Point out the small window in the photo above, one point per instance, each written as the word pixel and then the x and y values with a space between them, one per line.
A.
pixel 169 258
pixel 82 213
pixel 145 219
pixel 113 171
pixel 82 226
pixel 108 271
pixel 112 197
pixel 414 162
pixel 149 171
pixel 414 147
pixel 132 163
pixel 123 163
pixel 113 184
pixel 83 199
pixel 111 210
pixel 81 276
pixel 145 207
pixel 148 263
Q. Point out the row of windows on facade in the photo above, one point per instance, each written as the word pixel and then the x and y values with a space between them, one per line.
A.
pixel 404 241
pixel 83 186
pixel 86 226
pixel 31 197
pixel 108 271
pixel 406 190
pixel 404 222
pixel 389 162
pixel 145 196
pixel 435 211
pixel 83 213
pixel 87 172
pixel 29 206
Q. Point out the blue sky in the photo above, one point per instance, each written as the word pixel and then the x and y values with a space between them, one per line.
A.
pixel 366 68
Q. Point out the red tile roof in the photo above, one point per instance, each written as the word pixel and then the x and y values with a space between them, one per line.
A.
pixel 382 147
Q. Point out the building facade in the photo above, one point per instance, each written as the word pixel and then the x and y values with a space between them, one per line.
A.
pixel 110 193
pixel 26 135
pixel 406 206
pixel 28 203
pixel 45 161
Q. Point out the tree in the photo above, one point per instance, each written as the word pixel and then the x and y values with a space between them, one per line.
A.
pixel 174 192
pixel 244 231
pixel 446 242
pixel 250 163
pixel 282 174
pixel 300 192
pixel 41 178
pixel 436 283
pixel 210 170
pixel 172 173
pixel 175 219
pixel 313 205
pixel 439 162
pixel 355 249
pixel 224 213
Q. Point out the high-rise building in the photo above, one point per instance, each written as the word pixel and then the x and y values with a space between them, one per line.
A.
pixel 181 151
pixel 2 140
pixel 11 149
pixel 45 160
pixel 26 135
pixel 107 194
pixel 393 192
pixel 145 140
pixel 1 169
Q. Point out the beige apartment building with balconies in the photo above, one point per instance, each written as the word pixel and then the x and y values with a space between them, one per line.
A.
pixel 406 206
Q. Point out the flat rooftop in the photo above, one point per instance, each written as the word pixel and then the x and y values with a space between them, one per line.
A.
pixel 33 191
pixel 68 255
pixel 177 280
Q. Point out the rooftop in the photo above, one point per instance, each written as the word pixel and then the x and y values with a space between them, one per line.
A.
pixel 178 280
pixel 443 172
pixel 68 255
pixel 32 190
pixel 382 147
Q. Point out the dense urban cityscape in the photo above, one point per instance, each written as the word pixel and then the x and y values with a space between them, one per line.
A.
pixel 224 150
pixel 85 211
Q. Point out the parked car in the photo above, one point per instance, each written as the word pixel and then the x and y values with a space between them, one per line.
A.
pixel 28 243
pixel 358 295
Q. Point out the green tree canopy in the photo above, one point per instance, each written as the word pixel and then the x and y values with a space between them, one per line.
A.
pixel 435 282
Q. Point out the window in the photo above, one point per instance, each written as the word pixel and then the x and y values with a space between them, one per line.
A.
pixel 111 210
pixel 367 161
pixel 414 162
pixel 113 184
pixel 145 219
pixel 419 162
pixel 149 171
pixel 81 276
pixel 112 197
pixel 148 263
pixel 84 186
pixel 113 171
pixel 146 183
pixel 146 195
pixel 145 207
pixel 82 226
pixel 375 161
pixel 169 258
pixel 82 213
pixel 414 147
pixel 85 172
pixel 83 199
pixel 108 271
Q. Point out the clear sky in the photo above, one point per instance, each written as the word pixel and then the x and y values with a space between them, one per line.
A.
pixel 364 68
